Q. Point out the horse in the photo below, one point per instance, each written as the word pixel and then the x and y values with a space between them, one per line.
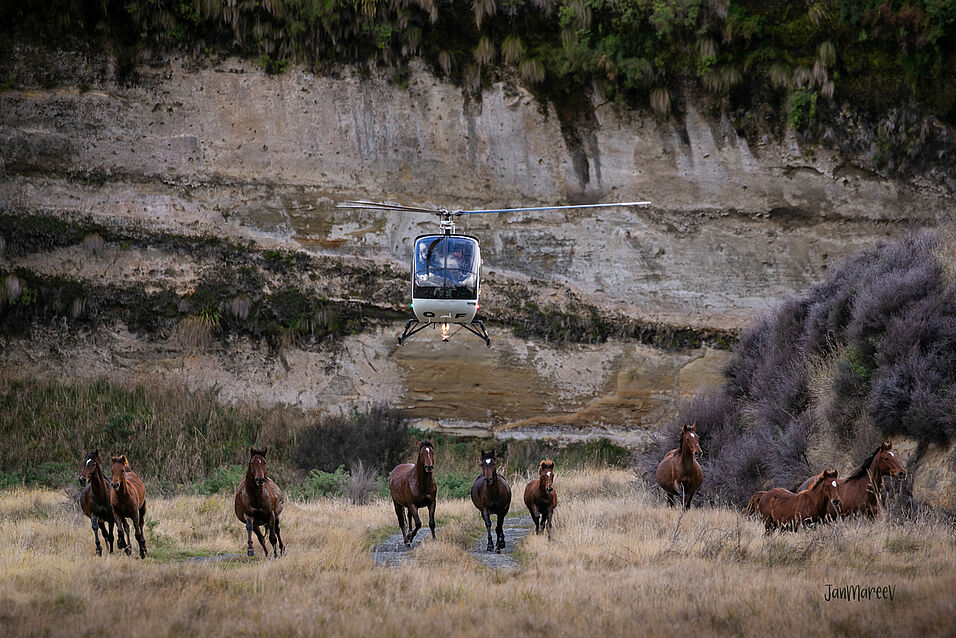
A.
pixel 784 509
pixel 413 486
pixel 95 500
pixel 679 473
pixel 491 494
pixel 127 500
pixel 861 491
pixel 540 497
pixel 259 502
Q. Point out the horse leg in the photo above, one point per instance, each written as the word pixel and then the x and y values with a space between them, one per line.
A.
pixel 262 539
pixel 279 534
pixel 400 513
pixel 128 546
pixel 138 530
pixel 549 515
pixel 96 535
pixel 499 532
pixel 120 538
pixel 413 514
pixel 486 516
pixel 107 534
pixel 249 551
pixel 273 538
pixel 670 499
pixel 431 518
pixel 536 516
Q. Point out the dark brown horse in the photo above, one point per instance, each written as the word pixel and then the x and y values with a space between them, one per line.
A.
pixel 127 500
pixel 861 492
pixel 540 497
pixel 491 494
pixel 259 502
pixel 679 473
pixel 412 487
pixel 786 510
pixel 95 500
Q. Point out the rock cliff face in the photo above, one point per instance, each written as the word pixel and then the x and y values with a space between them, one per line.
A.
pixel 261 161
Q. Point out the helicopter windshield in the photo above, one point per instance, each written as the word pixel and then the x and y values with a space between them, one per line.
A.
pixel 446 267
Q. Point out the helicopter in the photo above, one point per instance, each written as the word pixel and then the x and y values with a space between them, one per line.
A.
pixel 446 268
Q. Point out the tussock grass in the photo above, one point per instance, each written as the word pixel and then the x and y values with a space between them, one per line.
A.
pixel 620 563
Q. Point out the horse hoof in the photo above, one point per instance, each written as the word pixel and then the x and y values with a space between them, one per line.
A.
pixel 498 551
pixel 99 552
pixel 127 550
pixel 250 553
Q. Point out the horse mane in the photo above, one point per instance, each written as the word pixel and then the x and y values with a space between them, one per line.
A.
pixel 816 480
pixel 546 462
pixel 490 454
pixel 863 469
pixel 425 443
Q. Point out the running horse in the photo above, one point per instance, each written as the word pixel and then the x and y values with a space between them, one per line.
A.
pixel 784 509
pixel 95 500
pixel 413 486
pixel 127 500
pixel 679 473
pixel 259 502
pixel 491 494
pixel 861 491
pixel 540 498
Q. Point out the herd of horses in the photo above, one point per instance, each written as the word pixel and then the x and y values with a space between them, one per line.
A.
pixel 259 501
pixel 820 498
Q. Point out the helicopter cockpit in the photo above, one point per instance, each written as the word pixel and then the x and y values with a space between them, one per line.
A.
pixel 446 267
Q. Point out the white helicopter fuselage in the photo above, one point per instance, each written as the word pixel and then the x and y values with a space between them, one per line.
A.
pixel 445 310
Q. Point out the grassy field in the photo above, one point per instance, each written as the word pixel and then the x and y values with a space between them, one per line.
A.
pixel 620 563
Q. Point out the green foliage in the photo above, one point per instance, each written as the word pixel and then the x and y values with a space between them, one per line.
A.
pixel 319 483
pixel 803 108
pixel 224 479
pixel 453 484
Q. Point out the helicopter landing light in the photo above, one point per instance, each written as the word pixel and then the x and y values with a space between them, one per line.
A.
pixel 444 332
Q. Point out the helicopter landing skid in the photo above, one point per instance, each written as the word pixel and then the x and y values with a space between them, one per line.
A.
pixel 414 326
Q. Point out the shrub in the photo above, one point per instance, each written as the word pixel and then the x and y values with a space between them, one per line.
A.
pixel 869 352
pixel 377 437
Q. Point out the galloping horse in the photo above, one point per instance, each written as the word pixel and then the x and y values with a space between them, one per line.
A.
pixel 413 486
pixel 259 502
pixel 679 473
pixel 95 500
pixel 782 508
pixel 861 491
pixel 540 497
pixel 127 500
pixel 491 494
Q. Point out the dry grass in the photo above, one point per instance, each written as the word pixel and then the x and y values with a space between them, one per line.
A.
pixel 615 567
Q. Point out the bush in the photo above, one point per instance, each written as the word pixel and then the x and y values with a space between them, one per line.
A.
pixel 377 438
pixel 454 485
pixel 224 479
pixel 880 333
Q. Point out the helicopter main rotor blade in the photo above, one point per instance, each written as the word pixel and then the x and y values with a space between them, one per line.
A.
pixel 366 205
pixel 520 210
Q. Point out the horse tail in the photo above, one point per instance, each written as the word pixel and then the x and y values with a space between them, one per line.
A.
pixel 754 503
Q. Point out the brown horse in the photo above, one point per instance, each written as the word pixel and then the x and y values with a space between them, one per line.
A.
pixel 127 500
pixel 491 494
pixel 95 500
pixel 860 493
pixel 540 497
pixel 413 486
pixel 679 473
pixel 786 510
pixel 259 502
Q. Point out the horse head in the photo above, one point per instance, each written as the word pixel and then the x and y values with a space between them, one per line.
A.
pixel 91 465
pixel 829 481
pixel 546 475
pixel 257 464
pixel 118 466
pixel 887 464
pixel 488 465
pixel 426 455
pixel 689 438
